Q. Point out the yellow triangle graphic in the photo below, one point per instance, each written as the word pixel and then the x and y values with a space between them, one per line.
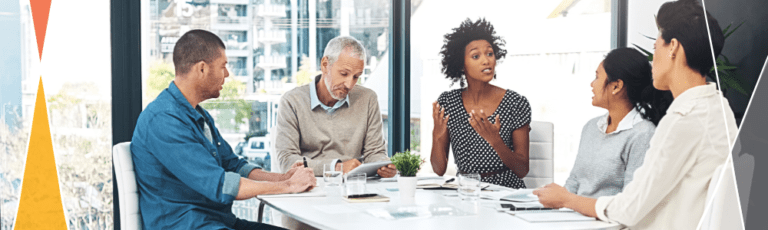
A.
pixel 40 205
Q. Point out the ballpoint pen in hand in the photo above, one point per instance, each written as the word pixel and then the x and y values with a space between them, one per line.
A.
pixel 305 162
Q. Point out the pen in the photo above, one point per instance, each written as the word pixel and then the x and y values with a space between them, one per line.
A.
pixel 361 195
pixel 305 162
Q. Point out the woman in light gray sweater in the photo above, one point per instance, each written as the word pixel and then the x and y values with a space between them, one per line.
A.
pixel 613 145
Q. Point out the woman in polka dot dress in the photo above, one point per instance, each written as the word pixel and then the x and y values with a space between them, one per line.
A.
pixel 486 126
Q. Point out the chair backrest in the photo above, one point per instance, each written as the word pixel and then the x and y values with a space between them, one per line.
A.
pixel 541 154
pixel 127 190
pixel 722 209
pixel 273 159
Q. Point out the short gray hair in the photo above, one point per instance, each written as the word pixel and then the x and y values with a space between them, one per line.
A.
pixel 339 44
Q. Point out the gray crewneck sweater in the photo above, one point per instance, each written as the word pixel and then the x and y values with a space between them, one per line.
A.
pixel 606 163
pixel 352 131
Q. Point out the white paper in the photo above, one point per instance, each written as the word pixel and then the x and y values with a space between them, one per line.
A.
pixel 495 195
pixel 521 195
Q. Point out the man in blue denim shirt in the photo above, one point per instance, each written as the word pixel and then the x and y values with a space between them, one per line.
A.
pixel 187 174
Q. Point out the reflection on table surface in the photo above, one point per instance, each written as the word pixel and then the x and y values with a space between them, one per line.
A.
pixel 432 209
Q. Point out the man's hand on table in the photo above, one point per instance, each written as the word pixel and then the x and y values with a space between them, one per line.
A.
pixel 294 167
pixel 301 180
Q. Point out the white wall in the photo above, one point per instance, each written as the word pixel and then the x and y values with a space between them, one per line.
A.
pixel 641 21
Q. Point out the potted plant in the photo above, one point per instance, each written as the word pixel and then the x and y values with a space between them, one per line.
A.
pixel 408 164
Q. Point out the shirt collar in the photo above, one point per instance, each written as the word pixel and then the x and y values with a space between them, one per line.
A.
pixel 629 121
pixel 181 100
pixel 315 101
pixel 683 104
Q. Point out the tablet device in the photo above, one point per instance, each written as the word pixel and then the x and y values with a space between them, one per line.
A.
pixel 370 168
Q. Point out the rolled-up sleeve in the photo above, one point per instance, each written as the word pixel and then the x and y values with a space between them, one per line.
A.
pixel 601 205
pixel 246 169
pixel 231 184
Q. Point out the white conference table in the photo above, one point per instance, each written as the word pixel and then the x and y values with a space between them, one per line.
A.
pixel 332 212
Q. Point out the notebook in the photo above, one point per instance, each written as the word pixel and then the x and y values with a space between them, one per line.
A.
pixel 437 184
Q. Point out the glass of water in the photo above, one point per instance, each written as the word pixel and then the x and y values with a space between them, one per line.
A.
pixel 354 184
pixel 331 176
pixel 469 186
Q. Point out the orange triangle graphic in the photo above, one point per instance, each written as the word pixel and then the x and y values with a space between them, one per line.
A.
pixel 40 10
pixel 40 205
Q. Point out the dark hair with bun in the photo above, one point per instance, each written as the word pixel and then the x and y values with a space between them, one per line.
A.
pixel 684 20
pixel 633 69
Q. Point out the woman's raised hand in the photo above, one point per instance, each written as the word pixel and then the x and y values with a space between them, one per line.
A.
pixel 440 131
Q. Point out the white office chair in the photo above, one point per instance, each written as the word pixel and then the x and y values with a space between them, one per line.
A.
pixel 273 159
pixel 722 209
pixel 541 151
pixel 127 189
pixel 276 216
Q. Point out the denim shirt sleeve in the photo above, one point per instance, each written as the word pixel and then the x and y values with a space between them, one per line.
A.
pixel 229 160
pixel 172 142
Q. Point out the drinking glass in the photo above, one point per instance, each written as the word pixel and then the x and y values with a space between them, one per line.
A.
pixel 469 186
pixel 354 184
pixel 331 176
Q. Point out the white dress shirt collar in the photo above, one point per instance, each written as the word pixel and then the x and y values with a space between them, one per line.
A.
pixel 632 118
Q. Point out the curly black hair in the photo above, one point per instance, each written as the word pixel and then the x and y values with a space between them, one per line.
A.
pixel 457 41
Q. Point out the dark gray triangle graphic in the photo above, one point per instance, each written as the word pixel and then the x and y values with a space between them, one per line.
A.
pixel 750 156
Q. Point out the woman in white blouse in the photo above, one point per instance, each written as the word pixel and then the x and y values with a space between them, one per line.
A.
pixel 669 190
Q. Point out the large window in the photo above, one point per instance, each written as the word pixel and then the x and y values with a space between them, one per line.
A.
pixel 553 50
pixel 17 99
pixel 273 46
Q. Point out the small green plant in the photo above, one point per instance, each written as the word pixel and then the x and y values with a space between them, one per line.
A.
pixel 407 163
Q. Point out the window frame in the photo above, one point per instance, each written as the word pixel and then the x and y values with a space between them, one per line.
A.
pixel 127 89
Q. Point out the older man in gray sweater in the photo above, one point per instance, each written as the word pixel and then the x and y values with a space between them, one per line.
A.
pixel 332 121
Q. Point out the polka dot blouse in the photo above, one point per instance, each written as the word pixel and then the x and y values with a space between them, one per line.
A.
pixel 472 153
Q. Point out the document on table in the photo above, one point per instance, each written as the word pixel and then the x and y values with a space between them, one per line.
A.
pixel 317 191
pixel 520 195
